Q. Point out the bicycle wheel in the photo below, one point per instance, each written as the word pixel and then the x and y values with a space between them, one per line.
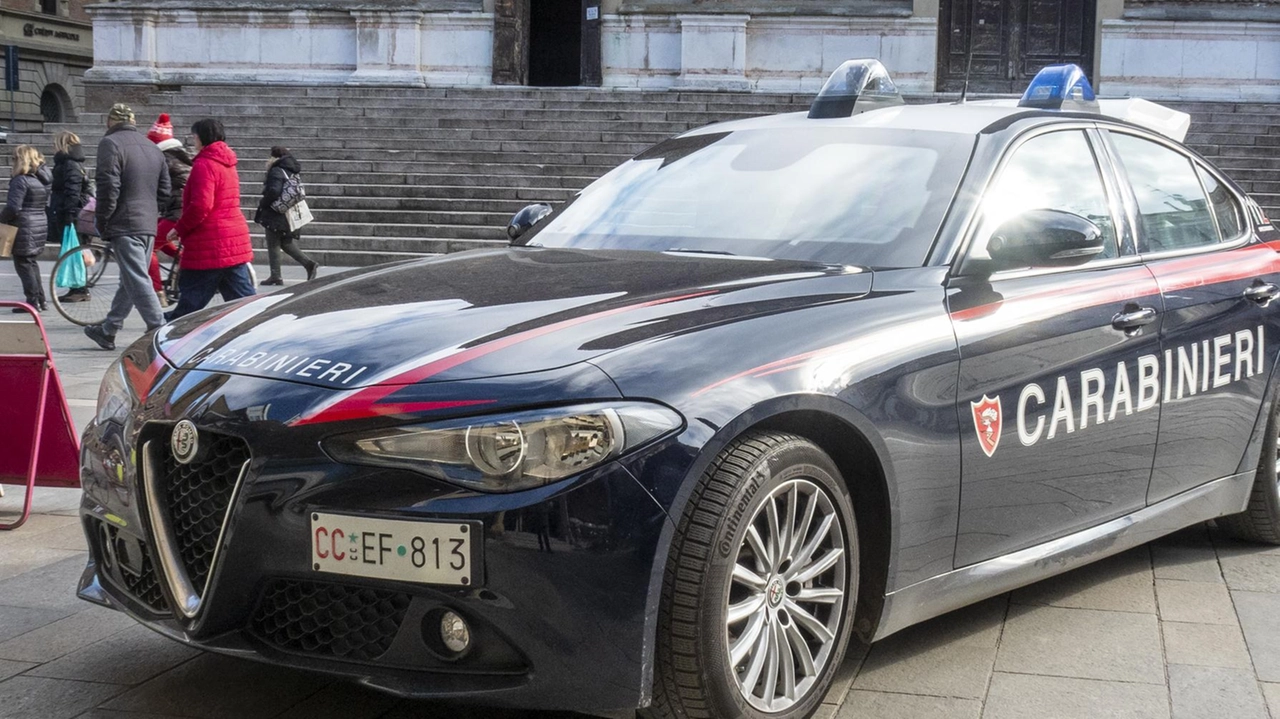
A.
pixel 101 282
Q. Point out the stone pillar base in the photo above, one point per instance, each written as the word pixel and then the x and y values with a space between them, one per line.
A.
pixel 713 52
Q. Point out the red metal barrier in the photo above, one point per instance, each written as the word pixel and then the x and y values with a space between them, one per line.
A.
pixel 38 442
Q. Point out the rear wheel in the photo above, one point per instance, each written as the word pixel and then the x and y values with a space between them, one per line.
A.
pixel 1260 521
pixel 88 305
pixel 760 585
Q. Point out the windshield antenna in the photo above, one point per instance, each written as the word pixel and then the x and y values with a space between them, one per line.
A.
pixel 968 65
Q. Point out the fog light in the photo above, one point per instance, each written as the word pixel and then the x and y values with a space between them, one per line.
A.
pixel 454 632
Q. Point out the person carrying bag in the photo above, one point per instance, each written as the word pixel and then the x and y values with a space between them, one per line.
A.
pixel 282 212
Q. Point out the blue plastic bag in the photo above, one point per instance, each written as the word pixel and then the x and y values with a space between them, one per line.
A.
pixel 71 273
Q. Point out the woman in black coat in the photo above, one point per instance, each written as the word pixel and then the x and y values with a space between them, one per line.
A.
pixel 70 192
pixel 280 168
pixel 25 209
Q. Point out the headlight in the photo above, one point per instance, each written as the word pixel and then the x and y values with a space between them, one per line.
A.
pixel 115 397
pixel 511 452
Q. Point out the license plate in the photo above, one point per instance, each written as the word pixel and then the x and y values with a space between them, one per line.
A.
pixel 423 552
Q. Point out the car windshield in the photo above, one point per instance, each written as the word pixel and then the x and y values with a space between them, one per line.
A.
pixel 867 196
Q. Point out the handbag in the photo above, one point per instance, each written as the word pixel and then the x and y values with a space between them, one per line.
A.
pixel 8 235
pixel 290 195
pixel 298 216
pixel 85 223
pixel 71 273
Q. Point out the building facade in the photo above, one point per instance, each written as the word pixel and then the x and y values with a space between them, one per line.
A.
pixel 55 48
pixel 1180 49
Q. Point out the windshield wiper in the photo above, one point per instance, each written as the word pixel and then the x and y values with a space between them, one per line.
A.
pixel 695 251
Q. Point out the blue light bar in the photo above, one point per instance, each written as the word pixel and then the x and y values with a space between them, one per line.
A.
pixel 1060 87
pixel 855 87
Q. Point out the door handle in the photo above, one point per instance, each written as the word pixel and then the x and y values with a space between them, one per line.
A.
pixel 1133 318
pixel 1262 292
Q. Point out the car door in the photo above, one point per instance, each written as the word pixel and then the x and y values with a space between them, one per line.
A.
pixel 1057 395
pixel 1220 328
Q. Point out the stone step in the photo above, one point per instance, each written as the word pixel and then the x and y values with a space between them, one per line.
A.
pixel 409 206
pixel 496 231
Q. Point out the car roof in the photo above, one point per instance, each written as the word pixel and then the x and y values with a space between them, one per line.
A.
pixel 967 119
pixel 972 118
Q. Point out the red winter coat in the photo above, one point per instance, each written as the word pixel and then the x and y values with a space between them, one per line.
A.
pixel 213 229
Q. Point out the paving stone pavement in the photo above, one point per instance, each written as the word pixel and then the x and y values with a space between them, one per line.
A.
pixel 1180 629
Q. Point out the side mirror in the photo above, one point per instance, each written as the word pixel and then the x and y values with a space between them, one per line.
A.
pixel 1045 238
pixel 525 219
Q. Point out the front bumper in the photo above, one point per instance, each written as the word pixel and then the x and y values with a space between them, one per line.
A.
pixel 558 620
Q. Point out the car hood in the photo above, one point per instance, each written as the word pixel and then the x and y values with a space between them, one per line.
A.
pixel 489 313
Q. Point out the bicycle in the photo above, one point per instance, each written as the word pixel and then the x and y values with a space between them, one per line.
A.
pixel 102 279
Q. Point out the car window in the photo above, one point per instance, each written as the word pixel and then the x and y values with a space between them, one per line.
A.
pixel 1225 208
pixel 865 196
pixel 1054 171
pixel 1173 211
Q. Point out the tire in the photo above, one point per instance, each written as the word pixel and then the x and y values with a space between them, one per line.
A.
pixel 1260 521
pixel 102 281
pixel 715 567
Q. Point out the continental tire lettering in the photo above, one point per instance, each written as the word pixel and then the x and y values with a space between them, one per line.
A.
pixel 757 478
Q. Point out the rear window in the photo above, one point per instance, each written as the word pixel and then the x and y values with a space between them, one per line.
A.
pixel 1230 216
pixel 871 197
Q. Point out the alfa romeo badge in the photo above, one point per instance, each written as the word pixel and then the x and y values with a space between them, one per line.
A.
pixel 185 441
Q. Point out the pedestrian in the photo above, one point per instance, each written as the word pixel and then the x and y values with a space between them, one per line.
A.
pixel 280 167
pixel 70 192
pixel 216 250
pixel 24 208
pixel 133 184
pixel 179 162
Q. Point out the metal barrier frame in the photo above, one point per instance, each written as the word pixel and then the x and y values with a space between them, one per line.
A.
pixel 48 376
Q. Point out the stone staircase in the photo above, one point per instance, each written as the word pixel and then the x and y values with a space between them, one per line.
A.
pixel 392 173
pixel 399 172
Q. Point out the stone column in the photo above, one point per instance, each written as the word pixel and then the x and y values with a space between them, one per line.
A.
pixel 124 45
pixel 713 52
pixel 388 49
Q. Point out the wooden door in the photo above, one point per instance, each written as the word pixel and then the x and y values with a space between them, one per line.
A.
pixel 511 42
pixel 591 70
pixel 1010 41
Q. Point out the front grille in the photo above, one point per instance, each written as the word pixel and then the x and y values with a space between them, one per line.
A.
pixel 197 497
pixel 146 586
pixel 336 620
pixel 113 553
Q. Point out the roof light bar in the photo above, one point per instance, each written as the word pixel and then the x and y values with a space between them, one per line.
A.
pixel 1060 87
pixel 856 86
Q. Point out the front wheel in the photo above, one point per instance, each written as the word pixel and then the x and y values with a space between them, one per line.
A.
pixel 760 585
pixel 87 305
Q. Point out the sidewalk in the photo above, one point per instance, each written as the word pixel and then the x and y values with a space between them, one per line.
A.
pixel 1184 628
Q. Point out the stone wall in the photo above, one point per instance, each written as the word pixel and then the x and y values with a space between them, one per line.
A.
pixel 771 53
pixel 1204 50
pixel 394 42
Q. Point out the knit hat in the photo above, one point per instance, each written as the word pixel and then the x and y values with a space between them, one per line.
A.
pixel 162 130
pixel 120 112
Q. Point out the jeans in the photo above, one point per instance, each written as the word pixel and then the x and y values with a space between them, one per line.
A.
pixel 196 287
pixel 29 272
pixel 134 255
pixel 277 241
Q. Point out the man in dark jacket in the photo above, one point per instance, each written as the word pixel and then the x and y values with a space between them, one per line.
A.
pixel 133 184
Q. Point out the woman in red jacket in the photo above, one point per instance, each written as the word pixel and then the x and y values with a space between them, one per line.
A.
pixel 216 251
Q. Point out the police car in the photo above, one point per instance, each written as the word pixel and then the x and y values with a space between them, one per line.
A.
pixel 769 384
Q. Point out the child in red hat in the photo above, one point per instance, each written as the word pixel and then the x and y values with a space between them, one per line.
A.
pixel 179 161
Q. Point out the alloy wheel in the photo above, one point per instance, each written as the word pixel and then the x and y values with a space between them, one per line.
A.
pixel 786 597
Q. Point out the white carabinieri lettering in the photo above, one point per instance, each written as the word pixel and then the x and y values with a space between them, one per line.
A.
pixel 1083 401
pixel 285 365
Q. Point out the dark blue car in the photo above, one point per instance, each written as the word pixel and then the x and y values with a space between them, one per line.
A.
pixel 767 385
